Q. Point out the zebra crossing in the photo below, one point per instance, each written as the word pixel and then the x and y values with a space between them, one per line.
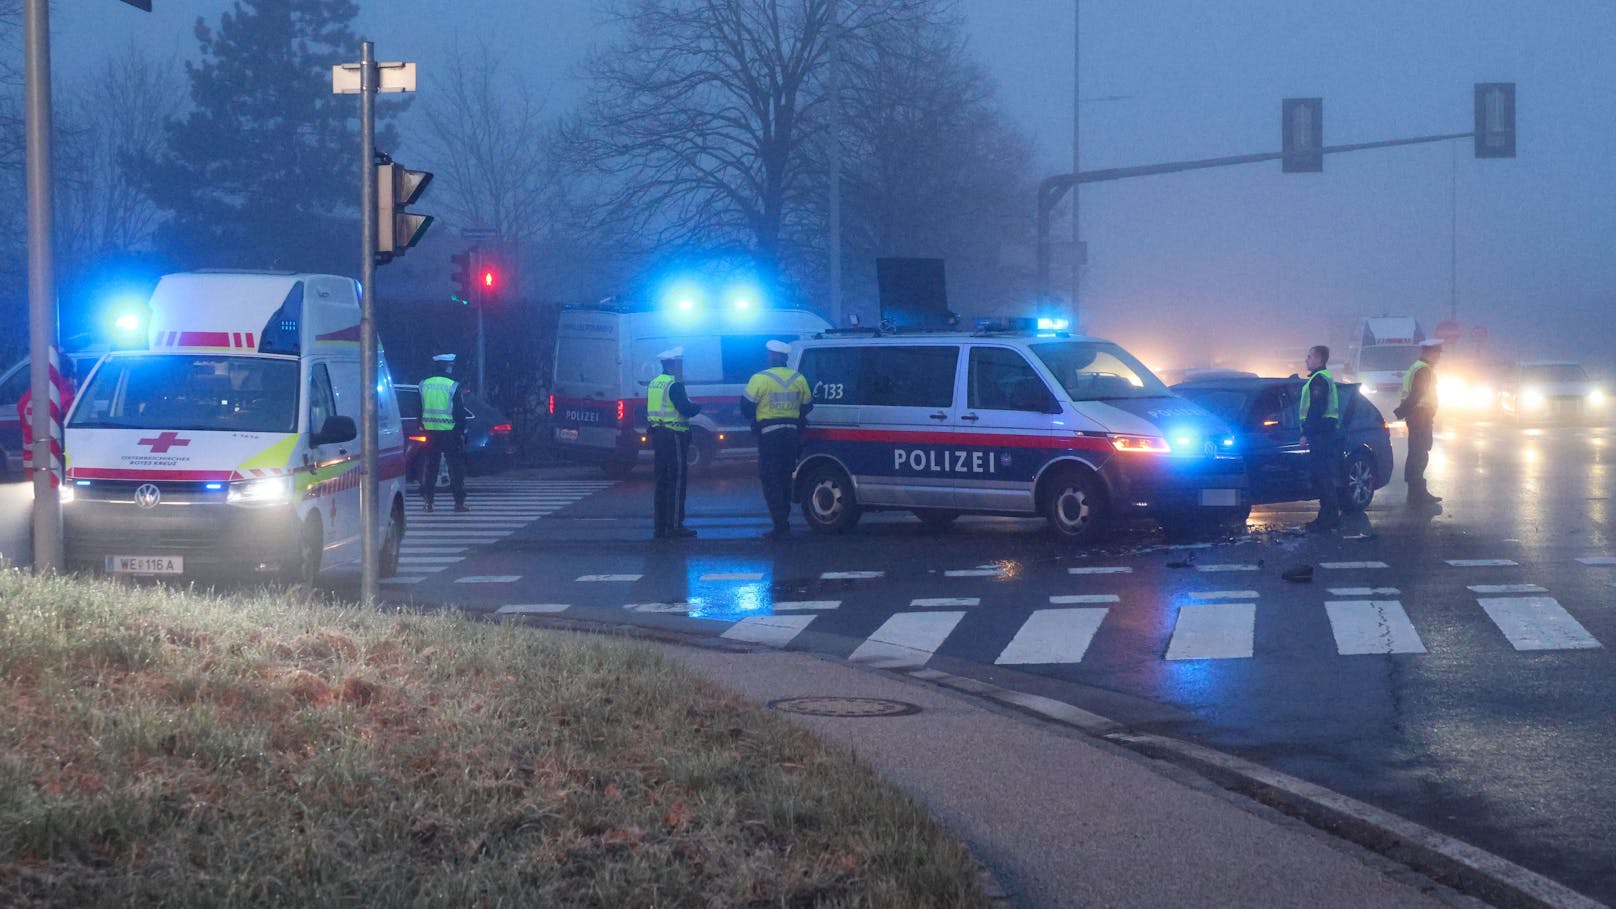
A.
pixel 437 540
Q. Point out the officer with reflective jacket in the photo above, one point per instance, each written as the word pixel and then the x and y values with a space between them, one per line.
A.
pixel 777 401
pixel 1320 414
pixel 443 419
pixel 1418 410
pixel 668 410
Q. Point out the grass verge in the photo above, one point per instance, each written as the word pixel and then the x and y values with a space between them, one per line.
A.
pixel 176 748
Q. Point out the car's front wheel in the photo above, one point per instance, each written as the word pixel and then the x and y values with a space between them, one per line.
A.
pixel 828 503
pixel 1075 506
pixel 1358 486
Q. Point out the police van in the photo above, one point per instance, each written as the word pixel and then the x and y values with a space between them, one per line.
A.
pixel 605 360
pixel 230 444
pixel 1070 428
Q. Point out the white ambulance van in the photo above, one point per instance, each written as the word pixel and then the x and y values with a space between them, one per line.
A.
pixel 1007 422
pixel 230 445
pixel 606 358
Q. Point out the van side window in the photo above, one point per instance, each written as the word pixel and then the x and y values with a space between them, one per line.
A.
pixel 1002 379
pixel 834 374
pixel 322 402
pixel 903 376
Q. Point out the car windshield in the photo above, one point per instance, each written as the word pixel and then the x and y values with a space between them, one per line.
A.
pixel 1388 357
pixel 1556 372
pixel 1098 371
pixel 186 392
pixel 1228 405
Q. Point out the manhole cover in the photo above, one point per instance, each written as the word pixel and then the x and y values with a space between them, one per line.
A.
pixel 844 707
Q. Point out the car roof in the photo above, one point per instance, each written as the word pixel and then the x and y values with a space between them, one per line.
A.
pixel 876 338
pixel 1248 383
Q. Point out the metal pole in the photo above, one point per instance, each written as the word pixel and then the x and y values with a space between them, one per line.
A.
pixel 47 517
pixel 1453 232
pixel 367 323
pixel 835 214
pixel 482 349
pixel 1077 82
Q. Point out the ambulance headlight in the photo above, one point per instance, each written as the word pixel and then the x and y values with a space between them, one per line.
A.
pixel 1534 398
pixel 265 491
pixel 65 494
pixel 1596 397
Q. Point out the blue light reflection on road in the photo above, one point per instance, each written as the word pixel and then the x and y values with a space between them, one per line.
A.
pixel 728 600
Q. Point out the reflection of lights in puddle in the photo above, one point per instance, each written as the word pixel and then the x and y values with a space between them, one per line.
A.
pixel 1530 454
pixel 712 591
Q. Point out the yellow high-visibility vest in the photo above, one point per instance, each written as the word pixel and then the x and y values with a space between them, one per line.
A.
pixel 779 393
pixel 659 405
pixel 437 403
pixel 1332 411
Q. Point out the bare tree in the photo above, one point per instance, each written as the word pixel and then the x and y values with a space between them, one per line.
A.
pixel 487 145
pixel 701 122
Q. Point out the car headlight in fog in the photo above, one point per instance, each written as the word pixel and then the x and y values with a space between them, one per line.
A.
pixel 65 494
pixel 1596 397
pixel 1533 398
pixel 266 491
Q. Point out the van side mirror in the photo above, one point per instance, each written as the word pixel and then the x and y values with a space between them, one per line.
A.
pixel 336 429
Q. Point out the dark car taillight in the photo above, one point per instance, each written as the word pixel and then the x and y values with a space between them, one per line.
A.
pixel 622 410
pixel 552 405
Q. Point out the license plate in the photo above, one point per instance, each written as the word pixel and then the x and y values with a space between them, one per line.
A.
pixel 567 435
pixel 146 564
pixel 1220 498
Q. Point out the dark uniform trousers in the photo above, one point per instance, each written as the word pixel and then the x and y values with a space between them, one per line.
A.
pixel 672 449
pixel 777 457
pixel 1323 458
pixel 1421 435
pixel 450 445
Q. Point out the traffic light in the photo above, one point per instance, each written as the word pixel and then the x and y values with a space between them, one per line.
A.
pixel 397 229
pixel 1302 135
pixel 1495 119
pixel 465 276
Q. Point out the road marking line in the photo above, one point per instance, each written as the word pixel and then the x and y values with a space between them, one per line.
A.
pixel 906 640
pixel 1537 623
pixel 681 608
pixel 1506 588
pixel 796 605
pixel 1223 594
pixel 449 536
pixel 1216 631
pixel 1598 560
pixel 1100 569
pixel 772 630
pixel 609 578
pixel 1372 626
pixel 413 559
pixel 532 608
pixel 402 580
pixel 408 550
pixel 974 573
pixel 1369 564
pixel 946 601
pixel 1053 636
pixel 489 579
pixel 1481 563
pixel 733 576
pixel 1364 591
pixel 1071 598
pixel 1228 567
pixel 850 575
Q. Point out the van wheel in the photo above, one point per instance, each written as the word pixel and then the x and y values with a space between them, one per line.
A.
pixel 617 470
pixel 936 520
pixel 392 543
pixel 304 573
pixel 1075 507
pixel 1358 489
pixel 828 504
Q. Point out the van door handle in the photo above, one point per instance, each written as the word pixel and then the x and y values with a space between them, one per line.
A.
pixel 970 416
pixel 939 416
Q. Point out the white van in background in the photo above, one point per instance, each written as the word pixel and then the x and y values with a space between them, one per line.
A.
pixel 605 359
pixel 230 445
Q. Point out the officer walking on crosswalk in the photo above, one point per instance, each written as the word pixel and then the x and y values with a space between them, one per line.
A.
pixel 443 419
pixel 777 401
pixel 668 410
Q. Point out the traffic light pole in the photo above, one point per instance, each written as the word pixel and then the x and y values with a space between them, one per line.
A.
pixel 47 516
pixel 367 323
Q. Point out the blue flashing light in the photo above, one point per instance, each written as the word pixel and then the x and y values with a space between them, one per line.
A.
pixel 81 482
pixel 743 303
pixel 213 487
pixel 1046 323
pixel 127 322
pixel 686 304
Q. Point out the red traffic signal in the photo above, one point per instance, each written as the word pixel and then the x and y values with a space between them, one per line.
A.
pixel 490 280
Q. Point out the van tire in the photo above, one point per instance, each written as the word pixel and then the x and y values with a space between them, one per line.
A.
pixel 936 520
pixel 304 571
pixel 828 502
pixel 392 542
pixel 1074 504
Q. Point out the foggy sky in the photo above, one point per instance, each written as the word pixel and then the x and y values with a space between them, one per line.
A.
pixel 1212 253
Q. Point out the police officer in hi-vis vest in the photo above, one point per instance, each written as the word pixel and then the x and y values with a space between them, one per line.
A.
pixel 669 410
pixel 443 419
pixel 1418 410
pixel 777 401
pixel 1320 411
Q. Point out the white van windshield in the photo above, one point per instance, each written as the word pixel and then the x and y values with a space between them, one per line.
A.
pixel 1098 371
pixel 187 392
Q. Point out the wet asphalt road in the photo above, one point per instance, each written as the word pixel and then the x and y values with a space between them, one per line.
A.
pixel 1483 713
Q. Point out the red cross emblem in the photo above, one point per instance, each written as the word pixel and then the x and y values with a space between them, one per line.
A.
pixel 165 441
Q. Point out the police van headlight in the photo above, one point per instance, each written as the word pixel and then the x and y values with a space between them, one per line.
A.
pixel 1150 444
pixel 265 491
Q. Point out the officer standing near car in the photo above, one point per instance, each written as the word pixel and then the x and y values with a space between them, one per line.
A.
pixel 668 410
pixel 1418 411
pixel 443 419
pixel 1321 421
pixel 777 401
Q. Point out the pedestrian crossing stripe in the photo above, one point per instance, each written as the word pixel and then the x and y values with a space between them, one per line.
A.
pixel 1226 567
pixel 1100 569
pixel 608 578
pixel 851 575
pixel 906 640
pixel 1481 563
pixel 1051 636
pixel 1506 588
pixel 1350 565
pixel 772 630
pixel 805 605
pixel 920 602
pixel 1214 631
pixel 532 608
pixel 1223 594
pixel 1372 626
pixel 1598 560
pixel 1075 598
pixel 1537 623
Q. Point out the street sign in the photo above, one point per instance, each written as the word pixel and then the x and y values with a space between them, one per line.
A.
pixel 478 233
pixel 395 76
pixel 1302 135
pixel 1448 331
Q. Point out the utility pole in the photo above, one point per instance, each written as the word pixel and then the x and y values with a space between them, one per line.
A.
pixel 835 212
pixel 369 437
pixel 47 517
pixel 1078 256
